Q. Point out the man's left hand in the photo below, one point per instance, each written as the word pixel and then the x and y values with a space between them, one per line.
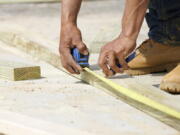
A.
pixel 113 52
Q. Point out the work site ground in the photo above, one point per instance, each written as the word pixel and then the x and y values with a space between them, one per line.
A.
pixel 58 103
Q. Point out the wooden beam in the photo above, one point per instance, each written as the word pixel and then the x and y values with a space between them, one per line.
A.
pixel 16 68
pixel 18 71
pixel 37 49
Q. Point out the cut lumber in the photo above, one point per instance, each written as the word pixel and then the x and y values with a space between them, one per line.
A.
pixel 43 50
pixel 18 71
pixel 15 69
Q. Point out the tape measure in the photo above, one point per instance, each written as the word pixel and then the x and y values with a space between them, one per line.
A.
pixel 82 60
pixel 136 96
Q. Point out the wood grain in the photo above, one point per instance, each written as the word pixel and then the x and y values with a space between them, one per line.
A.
pixel 22 72
pixel 16 68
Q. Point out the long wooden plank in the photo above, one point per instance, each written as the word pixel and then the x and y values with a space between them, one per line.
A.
pixel 38 50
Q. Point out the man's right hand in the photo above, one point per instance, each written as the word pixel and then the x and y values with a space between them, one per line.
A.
pixel 71 38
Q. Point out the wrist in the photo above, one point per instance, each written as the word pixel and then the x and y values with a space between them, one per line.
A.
pixel 131 34
pixel 68 21
pixel 69 24
pixel 128 37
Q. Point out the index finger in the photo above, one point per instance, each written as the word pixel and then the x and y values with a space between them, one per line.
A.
pixel 103 64
pixel 69 61
pixel 112 62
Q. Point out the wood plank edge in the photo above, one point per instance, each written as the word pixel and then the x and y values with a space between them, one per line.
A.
pixel 27 73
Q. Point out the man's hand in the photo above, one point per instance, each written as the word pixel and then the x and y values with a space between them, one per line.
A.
pixel 113 52
pixel 118 49
pixel 70 38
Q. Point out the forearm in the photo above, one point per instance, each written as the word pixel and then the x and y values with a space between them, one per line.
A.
pixel 133 17
pixel 69 10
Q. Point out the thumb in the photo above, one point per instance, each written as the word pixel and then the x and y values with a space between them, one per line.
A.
pixel 82 48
